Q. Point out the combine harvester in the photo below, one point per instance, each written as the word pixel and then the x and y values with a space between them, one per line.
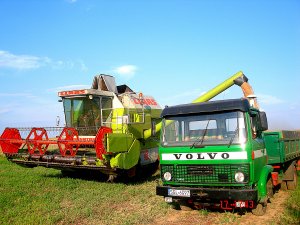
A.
pixel 109 128
pixel 104 131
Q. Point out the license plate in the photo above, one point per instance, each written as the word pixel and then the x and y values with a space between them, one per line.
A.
pixel 240 204
pixel 175 192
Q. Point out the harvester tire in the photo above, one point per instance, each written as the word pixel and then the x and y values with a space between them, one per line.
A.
pixel 111 178
pixel 260 209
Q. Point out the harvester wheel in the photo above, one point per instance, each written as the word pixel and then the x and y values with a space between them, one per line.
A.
pixel 99 145
pixel 111 178
pixel 67 136
pixel 260 209
pixel 35 135
pixel 7 143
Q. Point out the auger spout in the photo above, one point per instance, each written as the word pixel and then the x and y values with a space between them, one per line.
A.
pixel 239 79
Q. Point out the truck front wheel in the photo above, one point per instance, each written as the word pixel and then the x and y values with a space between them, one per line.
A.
pixel 185 206
pixel 260 209
pixel 270 189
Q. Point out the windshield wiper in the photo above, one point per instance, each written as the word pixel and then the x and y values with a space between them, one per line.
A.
pixel 202 137
pixel 231 140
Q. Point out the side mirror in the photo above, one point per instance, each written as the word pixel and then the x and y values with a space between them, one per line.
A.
pixel 153 128
pixel 57 121
pixel 263 121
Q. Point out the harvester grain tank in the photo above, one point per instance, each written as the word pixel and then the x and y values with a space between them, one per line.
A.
pixel 220 154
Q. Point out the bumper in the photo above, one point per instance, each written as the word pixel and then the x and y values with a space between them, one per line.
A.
pixel 211 194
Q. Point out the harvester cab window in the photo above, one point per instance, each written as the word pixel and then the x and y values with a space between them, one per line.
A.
pixel 82 112
pixel 106 106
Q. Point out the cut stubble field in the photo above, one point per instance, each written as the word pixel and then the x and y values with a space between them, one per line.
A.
pixel 44 196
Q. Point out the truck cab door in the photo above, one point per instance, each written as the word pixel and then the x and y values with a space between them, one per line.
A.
pixel 259 154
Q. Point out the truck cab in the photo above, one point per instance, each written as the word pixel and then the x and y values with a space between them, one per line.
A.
pixel 213 154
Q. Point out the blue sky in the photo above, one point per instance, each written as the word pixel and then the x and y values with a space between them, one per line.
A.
pixel 173 50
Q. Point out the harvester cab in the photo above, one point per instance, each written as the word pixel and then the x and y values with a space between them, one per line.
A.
pixel 104 131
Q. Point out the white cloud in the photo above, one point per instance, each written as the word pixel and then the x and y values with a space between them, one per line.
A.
pixel 27 62
pixel 182 98
pixel 69 88
pixel 83 67
pixel 126 71
pixel 71 1
pixel 21 62
pixel 269 99
pixel 23 95
pixel 5 110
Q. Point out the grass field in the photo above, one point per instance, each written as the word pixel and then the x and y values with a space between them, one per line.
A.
pixel 44 196
pixel 291 214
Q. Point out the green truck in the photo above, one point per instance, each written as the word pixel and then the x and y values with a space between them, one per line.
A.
pixel 219 154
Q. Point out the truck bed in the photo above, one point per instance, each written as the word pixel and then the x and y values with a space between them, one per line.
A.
pixel 282 146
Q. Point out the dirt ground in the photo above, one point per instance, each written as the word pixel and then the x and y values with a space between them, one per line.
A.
pixel 274 211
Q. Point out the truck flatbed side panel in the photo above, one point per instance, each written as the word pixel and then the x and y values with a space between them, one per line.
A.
pixel 282 146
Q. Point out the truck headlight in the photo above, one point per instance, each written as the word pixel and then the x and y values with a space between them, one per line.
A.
pixel 239 177
pixel 167 176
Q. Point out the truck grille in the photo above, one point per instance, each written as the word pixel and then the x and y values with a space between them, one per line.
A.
pixel 206 174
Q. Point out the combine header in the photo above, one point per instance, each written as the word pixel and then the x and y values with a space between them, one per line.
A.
pixel 104 132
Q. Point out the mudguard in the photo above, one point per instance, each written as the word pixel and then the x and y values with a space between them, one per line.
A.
pixel 262 183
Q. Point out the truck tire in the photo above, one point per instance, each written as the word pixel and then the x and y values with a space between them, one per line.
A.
pixel 260 209
pixel 185 206
pixel 283 185
pixel 292 184
pixel 270 189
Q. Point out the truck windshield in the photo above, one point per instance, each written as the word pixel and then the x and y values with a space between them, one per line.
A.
pixel 224 128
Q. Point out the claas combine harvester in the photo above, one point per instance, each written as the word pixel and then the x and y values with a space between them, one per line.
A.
pixel 104 131
pixel 109 128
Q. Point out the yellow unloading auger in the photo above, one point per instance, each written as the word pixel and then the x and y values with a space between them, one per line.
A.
pixel 238 79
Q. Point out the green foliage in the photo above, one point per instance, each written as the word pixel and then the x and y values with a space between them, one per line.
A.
pixel 44 196
pixel 291 214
